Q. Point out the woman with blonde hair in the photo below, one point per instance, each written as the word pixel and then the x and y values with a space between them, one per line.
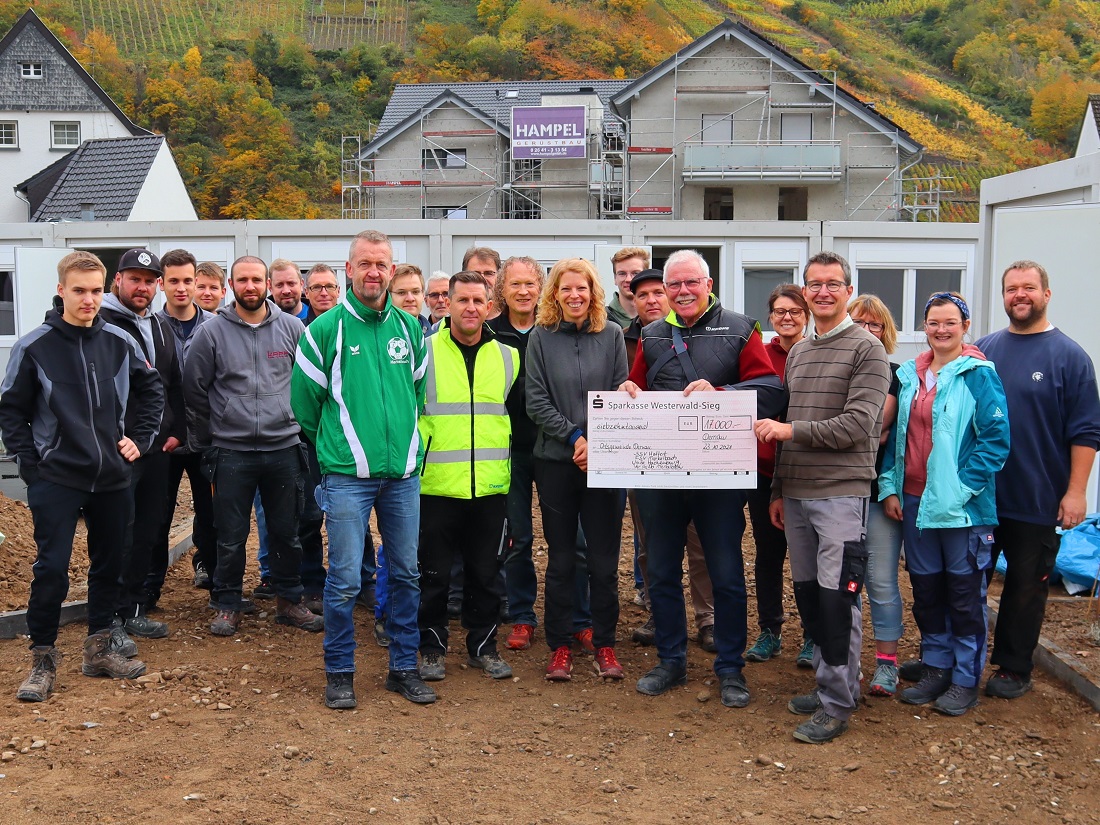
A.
pixel 573 351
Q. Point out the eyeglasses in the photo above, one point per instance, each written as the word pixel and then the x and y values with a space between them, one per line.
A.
pixel 690 283
pixel 794 313
pixel 946 326
pixel 324 288
pixel 833 286
pixel 435 296
pixel 870 326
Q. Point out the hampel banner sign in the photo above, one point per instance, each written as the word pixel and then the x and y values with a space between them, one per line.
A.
pixel 540 132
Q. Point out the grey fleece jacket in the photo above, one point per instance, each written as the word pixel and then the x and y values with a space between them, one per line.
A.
pixel 236 381
pixel 563 365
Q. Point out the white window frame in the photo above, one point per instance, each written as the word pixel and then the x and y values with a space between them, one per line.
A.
pixel 14 124
pixel 54 124
pixel 29 70
pixel 910 257
pixel 442 159
pixel 765 255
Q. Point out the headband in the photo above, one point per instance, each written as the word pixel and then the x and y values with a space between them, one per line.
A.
pixel 947 296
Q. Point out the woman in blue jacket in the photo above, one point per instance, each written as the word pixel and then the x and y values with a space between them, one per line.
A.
pixel 950 440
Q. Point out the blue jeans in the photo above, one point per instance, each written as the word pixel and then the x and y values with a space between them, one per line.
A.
pixel 883 555
pixel 719 517
pixel 347 502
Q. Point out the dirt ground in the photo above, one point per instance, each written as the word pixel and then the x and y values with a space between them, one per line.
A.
pixel 235 731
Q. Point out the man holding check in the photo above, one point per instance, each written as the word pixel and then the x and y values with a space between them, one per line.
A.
pixel 699 347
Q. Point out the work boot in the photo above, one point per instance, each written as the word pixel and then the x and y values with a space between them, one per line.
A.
pixel 705 637
pixel 226 621
pixel 646 634
pixel 340 691
pixel 381 636
pixel 120 642
pixel 296 614
pixel 38 685
pixel 911 671
pixel 315 603
pixel 101 660
pixel 141 625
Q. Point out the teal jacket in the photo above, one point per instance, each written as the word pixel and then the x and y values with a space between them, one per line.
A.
pixel 970 442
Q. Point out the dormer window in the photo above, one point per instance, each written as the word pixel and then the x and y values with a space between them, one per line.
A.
pixel 30 70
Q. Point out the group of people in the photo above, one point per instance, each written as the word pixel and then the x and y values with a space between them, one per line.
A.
pixel 437 404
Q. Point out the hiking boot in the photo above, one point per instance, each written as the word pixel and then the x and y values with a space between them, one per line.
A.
pixel 805 656
pixel 561 665
pixel 646 634
pixel 1005 684
pixel 409 684
pixel 296 614
pixel 38 685
pixel 734 691
pixel 101 660
pixel 340 691
pixel 454 609
pixel 820 729
pixel 607 666
pixel 120 642
pixel 245 606
pixel 520 637
pixel 705 638
pixel 433 667
pixel 381 637
pixel 202 577
pixel 766 646
pixel 265 590
pixel 933 684
pixel 911 671
pixel 584 639
pixel 143 627
pixel 492 664
pixel 957 700
pixel 662 679
pixel 885 681
pixel 367 597
pixel 314 603
pixel 807 704
pixel 226 621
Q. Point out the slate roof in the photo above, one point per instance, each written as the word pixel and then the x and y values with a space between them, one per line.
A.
pixel 1094 108
pixel 107 173
pixel 64 87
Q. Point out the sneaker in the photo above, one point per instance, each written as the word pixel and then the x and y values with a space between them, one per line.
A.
pixel 265 590
pixel 646 634
pixel 662 679
pixel 805 656
pixel 340 691
pixel 409 684
pixel 584 639
pixel 226 621
pixel 735 693
pixel 101 660
pixel 807 704
pixel 38 685
pixel 957 700
pixel 520 637
pixel 933 684
pixel 433 667
pixel 492 664
pixel 144 627
pixel 1004 684
pixel 245 606
pixel 202 577
pixel 561 665
pixel 296 614
pixel 639 599
pixel 911 671
pixel 381 637
pixel 314 602
pixel 705 637
pixel 766 646
pixel 607 666
pixel 885 681
pixel 120 642
pixel 820 729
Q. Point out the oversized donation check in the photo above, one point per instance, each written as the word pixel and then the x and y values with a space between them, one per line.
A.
pixel 664 440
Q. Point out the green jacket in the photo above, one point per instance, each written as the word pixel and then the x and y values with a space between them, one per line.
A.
pixel 357 385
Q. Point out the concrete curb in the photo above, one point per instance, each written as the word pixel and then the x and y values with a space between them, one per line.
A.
pixel 13 624
pixel 1062 666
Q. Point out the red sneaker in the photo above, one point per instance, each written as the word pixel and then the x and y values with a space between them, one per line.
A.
pixel 561 665
pixel 607 665
pixel 585 639
pixel 520 637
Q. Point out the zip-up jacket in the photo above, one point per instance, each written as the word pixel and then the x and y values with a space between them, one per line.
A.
pixel 65 401
pixel 358 384
pixel 523 428
pixel 183 346
pixel 564 364
pixel 465 425
pixel 165 361
pixel 236 382
pixel 970 442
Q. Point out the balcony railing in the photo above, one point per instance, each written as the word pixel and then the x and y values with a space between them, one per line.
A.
pixel 806 162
